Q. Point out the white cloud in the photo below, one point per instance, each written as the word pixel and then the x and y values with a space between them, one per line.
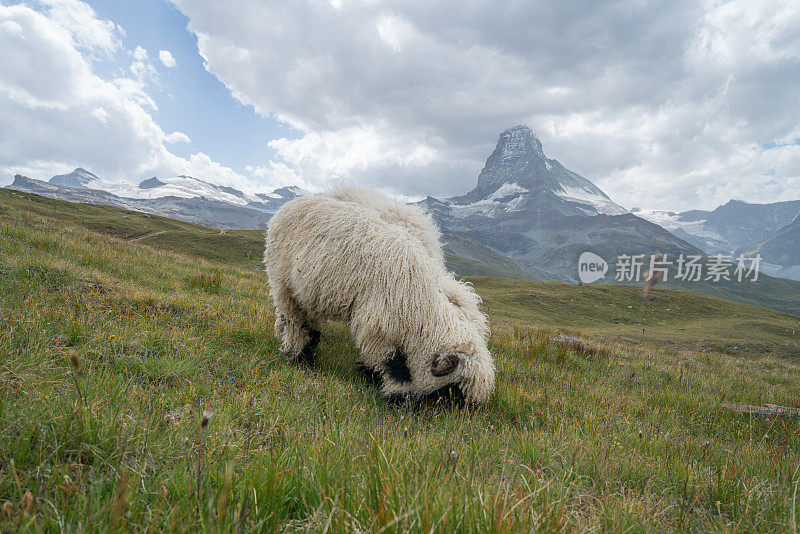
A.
pixel 167 58
pixel 58 113
pixel 142 69
pixel 177 137
pixel 663 105
pixel 86 31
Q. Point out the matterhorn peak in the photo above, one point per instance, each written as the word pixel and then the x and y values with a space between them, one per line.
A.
pixel 520 175
pixel 517 142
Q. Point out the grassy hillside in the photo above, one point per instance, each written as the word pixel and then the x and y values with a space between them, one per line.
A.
pixel 243 248
pixel 678 320
pixel 112 350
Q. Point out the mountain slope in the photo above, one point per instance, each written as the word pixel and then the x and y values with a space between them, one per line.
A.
pixel 517 174
pixel 243 248
pixel 542 216
pixel 780 252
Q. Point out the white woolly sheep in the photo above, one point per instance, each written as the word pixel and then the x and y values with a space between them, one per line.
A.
pixel 381 270
pixel 421 226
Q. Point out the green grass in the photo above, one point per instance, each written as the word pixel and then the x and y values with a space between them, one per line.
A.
pixel 243 248
pixel 679 320
pixel 633 438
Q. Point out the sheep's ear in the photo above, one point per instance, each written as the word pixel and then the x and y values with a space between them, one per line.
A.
pixel 444 364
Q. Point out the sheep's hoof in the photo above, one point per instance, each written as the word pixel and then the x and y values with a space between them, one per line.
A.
pixel 307 353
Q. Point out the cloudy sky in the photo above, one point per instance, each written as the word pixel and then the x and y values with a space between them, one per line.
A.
pixel 672 105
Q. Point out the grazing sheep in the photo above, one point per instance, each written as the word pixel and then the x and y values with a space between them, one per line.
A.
pixel 412 218
pixel 381 270
pixel 420 225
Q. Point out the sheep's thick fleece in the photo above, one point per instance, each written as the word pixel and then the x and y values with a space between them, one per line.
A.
pixel 377 264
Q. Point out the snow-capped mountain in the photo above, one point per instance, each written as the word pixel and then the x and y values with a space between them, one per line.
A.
pixel 181 197
pixel 179 187
pixel 189 187
pixel 518 173
pixel 542 216
pixel 727 228
pixel 78 178
pixel 690 226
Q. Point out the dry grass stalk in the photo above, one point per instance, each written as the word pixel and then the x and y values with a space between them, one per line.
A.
pixel 121 499
pixel 203 424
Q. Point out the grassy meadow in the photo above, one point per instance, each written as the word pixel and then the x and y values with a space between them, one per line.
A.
pixel 116 339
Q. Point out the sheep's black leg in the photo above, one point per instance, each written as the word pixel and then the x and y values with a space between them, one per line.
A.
pixel 307 353
pixel 370 374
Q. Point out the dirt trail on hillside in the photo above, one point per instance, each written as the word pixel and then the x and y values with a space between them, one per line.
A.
pixel 145 236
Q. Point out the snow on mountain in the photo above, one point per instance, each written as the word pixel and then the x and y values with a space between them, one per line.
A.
pixel 594 202
pixel 183 197
pixel 189 187
pixel 674 221
pixel 286 193
pixel 507 190
pixel 693 229
pixel 507 198
pixel 178 186
pixel 80 177
pixel 671 220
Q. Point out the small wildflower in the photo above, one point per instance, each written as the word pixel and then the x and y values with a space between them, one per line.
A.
pixel 454 457
pixel 206 418
pixel 8 508
pixel 74 358
pixel 112 336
